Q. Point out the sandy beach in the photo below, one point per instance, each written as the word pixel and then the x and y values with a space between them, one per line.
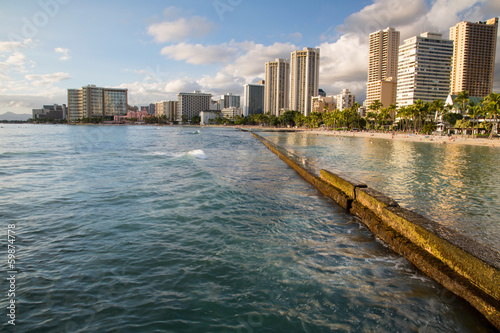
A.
pixel 455 139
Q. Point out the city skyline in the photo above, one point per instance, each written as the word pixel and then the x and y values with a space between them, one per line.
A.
pixel 216 47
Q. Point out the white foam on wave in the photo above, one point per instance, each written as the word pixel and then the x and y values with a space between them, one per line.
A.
pixel 198 153
pixel 161 153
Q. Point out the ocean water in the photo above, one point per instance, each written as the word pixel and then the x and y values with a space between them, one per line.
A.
pixel 177 229
pixel 455 185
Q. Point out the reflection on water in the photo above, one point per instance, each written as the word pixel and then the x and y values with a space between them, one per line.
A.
pixel 456 185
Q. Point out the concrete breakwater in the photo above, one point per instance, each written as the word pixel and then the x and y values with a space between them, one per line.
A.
pixel 462 265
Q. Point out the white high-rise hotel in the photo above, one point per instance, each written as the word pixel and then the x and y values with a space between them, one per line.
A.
pixel 304 79
pixel 276 86
pixel 424 69
pixel 191 104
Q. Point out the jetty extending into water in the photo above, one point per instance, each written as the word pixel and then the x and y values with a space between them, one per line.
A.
pixel 459 263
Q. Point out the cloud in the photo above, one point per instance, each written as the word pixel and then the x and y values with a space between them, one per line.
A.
pixel 447 13
pixel 199 54
pixel 151 92
pixel 247 66
pixel 181 85
pixel 245 63
pixel 16 62
pixel 344 51
pixel 13 46
pixel 47 79
pixel 254 57
pixel 177 28
pixel 382 14
pixel 65 53
pixel 345 60
pixel 24 103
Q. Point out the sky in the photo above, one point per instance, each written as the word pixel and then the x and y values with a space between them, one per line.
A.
pixel 157 49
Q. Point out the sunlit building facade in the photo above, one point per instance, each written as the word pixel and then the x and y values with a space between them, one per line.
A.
pixel 474 57
pixel 383 67
pixel 276 94
pixel 304 79
pixel 166 108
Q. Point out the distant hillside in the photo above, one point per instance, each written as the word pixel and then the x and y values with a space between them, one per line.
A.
pixel 14 116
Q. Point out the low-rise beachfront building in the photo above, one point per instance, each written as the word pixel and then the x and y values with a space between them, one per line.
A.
pixel 207 117
pixel 138 115
pixel 344 100
pixel 231 112
pixel 323 103
pixel 50 112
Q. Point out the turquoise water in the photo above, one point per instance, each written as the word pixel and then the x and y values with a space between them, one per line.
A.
pixel 160 229
pixel 455 185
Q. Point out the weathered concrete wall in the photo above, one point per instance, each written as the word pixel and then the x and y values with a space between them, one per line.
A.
pixel 463 266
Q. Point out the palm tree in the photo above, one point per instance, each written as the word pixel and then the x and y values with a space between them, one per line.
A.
pixel 329 119
pixel 463 98
pixel 438 107
pixel 475 111
pixel 403 113
pixel 384 115
pixel 392 111
pixel 420 109
pixel 375 106
pixel 370 116
pixel 493 105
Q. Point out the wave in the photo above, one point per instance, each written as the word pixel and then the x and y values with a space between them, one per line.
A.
pixel 197 153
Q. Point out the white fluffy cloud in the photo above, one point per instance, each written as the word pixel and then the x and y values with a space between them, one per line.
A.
pixel 254 56
pixel 199 54
pixel 344 64
pixel 16 62
pixel 13 46
pixel 176 28
pixel 145 92
pixel 64 53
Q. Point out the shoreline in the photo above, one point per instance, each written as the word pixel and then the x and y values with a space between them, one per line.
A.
pixel 455 139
